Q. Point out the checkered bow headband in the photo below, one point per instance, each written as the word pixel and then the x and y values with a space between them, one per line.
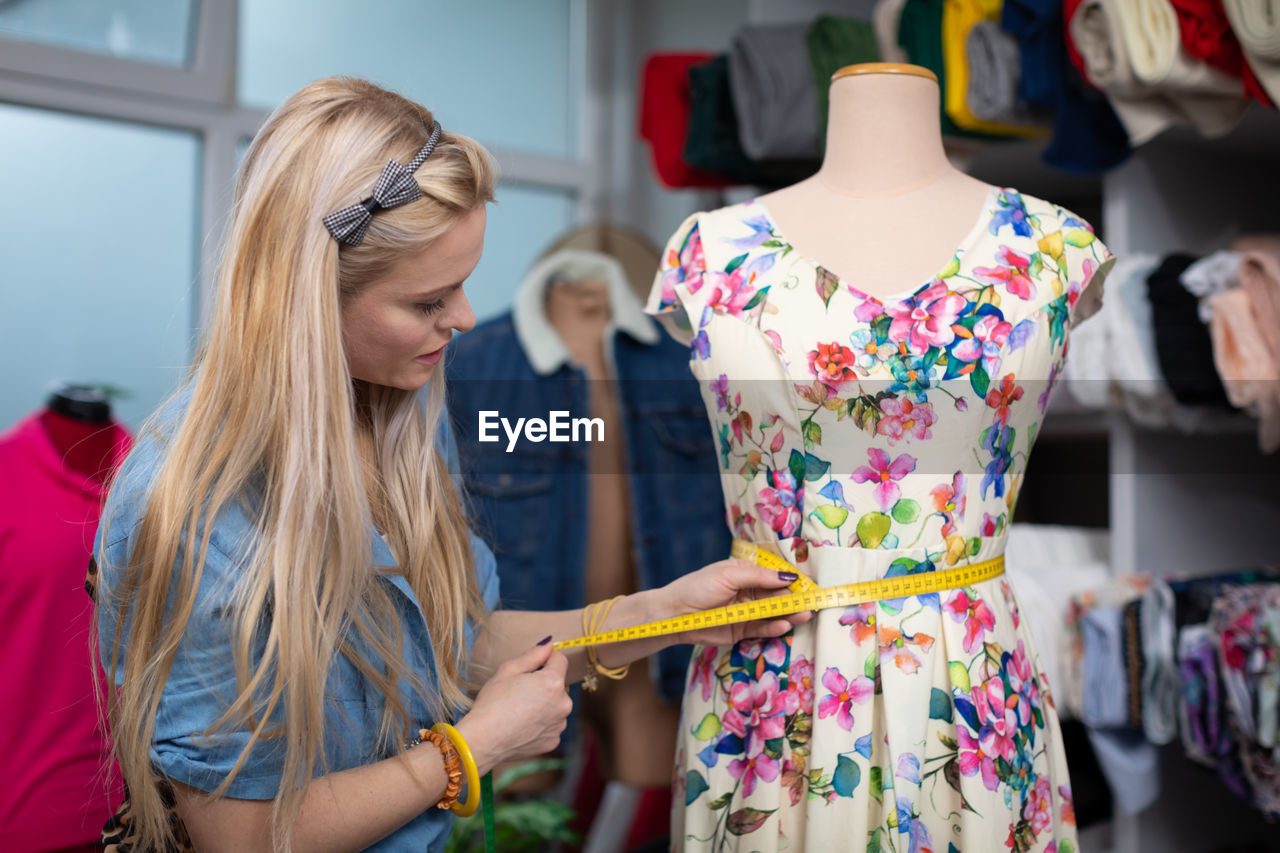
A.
pixel 395 187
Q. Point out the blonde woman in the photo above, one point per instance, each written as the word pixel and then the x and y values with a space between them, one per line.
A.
pixel 288 586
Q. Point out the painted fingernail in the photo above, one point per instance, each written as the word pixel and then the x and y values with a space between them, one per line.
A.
pixel 545 640
pixel 788 576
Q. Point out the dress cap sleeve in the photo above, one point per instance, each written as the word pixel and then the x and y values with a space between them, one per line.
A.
pixel 676 299
pixel 1088 262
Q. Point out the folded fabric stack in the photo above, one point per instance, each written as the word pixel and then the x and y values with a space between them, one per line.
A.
pixel 1195 660
pixel 1133 51
pixel 1178 337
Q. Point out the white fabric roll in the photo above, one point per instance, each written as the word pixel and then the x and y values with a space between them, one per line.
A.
pixel 1257 24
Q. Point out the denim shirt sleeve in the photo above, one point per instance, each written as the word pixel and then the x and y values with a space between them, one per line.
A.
pixel 201 683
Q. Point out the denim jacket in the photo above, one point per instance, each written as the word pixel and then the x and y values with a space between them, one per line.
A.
pixel 531 504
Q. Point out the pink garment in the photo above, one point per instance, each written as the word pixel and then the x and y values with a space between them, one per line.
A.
pixel 56 790
pixel 1245 329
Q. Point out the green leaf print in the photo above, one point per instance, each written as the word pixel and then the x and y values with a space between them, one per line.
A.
pixel 831 516
pixel 980 381
pixel 847 776
pixel 951 268
pixel 812 434
pixel 872 528
pixel 959 676
pixel 869 666
pixel 905 511
pixel 748 820
pixel 1079 238
pixel 877 783
pixel 708 728
pixel 815 468
pixel 720 801
pixel 760 296
pixel 940 705
pixel 827 285
pixel 736 262
pixel 796 465
pixel 694 786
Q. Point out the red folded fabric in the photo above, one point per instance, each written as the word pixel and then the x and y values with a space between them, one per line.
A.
pixel 1068 12
pixel 1207 35
pixel 664 118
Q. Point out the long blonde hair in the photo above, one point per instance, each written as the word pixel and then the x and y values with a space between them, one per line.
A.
pixel 274 414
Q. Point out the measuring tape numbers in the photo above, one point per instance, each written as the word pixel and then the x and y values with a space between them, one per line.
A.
pixel 805 595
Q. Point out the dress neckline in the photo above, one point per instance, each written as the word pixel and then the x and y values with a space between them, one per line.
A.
pixel 975 231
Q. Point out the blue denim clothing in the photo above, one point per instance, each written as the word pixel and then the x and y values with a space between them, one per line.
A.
pixel 202 682
pixel 531 504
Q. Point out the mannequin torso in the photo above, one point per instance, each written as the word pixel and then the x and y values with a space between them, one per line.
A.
pixel 887 211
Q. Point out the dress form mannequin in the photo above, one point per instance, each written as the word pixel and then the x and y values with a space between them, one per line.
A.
pixel 887 210
pixel 76 421
pixel 637 729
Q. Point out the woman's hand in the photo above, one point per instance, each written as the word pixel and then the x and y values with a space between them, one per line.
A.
pixel 730 582
pixel 521 710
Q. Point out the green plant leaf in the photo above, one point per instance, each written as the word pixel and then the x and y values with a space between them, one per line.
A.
pixel 877 783
pixel 748 820
pixel 905 511
pixel 940 705
pixel 694 786
pixel 757 299
pixel 812 434
pixel 815 468
pixel 872 529
pixel 847 776
pixel 1079 238
pixel 708 728
pixel 959 675
pixel 831 516
pixel 795 464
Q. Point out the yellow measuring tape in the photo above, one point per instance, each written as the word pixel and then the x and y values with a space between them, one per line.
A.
pixel 805 595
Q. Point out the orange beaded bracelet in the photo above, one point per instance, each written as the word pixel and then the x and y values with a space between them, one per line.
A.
pixel 452 765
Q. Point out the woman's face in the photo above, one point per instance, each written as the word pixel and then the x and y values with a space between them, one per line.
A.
pixel 395 330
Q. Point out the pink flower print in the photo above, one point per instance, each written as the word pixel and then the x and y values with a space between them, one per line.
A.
pixel 720 385
pixel 842 695
pixel 733 290
pixel 973 760
pixel 868 309
pixel 1014 275
pixel 704 666
pixel 1075 288
pixel 950 501
pixel 990 524
pixel 1068 810
pixel 833 365
pixel 884 474
pixel 975 615
pixel 989 336
pixel 765 652
pixel 754 764
pixel 926 321
pixel 863 619
pixel 1039 807
pixel 684 267
pixel 897 645
pixel 778 506
pixel 755 706
pixel 800 686
pixel 905 419
pixel 742 522
pixel 1022 682
pixel 1000 722
pixel 1003 397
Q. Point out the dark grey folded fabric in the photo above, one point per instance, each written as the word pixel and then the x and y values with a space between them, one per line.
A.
pixel 773 94
pixel 993 74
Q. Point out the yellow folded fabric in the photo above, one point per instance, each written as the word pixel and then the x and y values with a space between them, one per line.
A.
pixel 958 17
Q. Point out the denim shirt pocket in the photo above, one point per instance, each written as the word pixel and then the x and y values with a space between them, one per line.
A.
pixel 516 501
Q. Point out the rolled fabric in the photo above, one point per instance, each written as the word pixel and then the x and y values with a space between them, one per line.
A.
pixel 1207 35
pixel 771 83
pixel 665 102
pixel 1132 50
pixel 993 73
pixel 1257 24
pixel 1243 360
pixel 884 20
pixel 833 43
pixel 958 18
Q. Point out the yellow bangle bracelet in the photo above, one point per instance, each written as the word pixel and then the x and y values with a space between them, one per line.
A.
pixel 463 808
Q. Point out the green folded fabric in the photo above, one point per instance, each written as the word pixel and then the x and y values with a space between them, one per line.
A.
pixel 835 42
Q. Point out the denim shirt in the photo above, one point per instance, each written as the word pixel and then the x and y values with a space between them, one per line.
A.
pixel 202 682
pixel 532 504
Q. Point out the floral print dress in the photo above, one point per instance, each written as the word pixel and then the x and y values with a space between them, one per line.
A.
pixel 863 438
